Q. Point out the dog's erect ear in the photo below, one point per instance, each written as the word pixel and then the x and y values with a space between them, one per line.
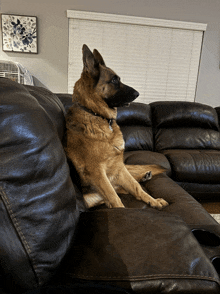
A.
pixel 98 57
pixel 91 65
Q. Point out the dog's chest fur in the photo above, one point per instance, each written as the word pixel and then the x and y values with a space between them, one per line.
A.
pixel 91 142
pixel 92 136
pixel 100 131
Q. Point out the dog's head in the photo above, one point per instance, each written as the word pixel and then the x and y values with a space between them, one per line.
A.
pixel 105 82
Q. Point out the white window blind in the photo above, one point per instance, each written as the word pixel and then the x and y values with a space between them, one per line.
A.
pixel 159 58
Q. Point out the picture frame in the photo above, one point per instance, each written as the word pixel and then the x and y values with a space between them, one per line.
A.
pixel 19 33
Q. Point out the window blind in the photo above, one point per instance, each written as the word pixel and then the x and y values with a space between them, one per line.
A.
pixel 159 58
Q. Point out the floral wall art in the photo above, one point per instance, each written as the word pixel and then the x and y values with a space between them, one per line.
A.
pixel 19 33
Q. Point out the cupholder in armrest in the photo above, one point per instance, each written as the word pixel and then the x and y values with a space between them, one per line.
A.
pixel 206 238
pixel 216 263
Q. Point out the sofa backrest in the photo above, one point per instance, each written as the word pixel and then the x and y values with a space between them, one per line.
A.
pixel 217 109
pixel 185 125
pixel 66 100
pixel 136 125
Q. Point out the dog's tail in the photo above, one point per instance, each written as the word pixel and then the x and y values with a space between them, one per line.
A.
pixel 142 173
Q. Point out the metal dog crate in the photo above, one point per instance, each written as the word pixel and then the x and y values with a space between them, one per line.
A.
pixel 16 72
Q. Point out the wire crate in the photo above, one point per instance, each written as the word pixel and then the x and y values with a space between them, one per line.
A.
pixel 16 72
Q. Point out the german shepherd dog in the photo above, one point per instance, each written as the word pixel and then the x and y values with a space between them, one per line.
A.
pixel 95 143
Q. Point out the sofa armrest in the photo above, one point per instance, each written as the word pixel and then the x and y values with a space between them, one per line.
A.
pixel 38 200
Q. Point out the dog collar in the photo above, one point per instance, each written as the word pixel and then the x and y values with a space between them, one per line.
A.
pixel 109 120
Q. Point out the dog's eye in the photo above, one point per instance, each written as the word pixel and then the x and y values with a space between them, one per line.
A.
pixel 115 80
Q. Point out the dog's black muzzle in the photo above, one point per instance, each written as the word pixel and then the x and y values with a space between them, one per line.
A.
pixel 124 96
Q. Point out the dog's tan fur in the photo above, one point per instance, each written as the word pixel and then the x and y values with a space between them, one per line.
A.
pixel 95 144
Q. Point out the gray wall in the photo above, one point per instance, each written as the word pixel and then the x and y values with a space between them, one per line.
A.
pixel 49 67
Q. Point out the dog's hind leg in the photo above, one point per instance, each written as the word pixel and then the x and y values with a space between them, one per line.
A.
pixel 129 184
pixel 93 199
pixel 142 173
pixel 100 182
pixel 139 175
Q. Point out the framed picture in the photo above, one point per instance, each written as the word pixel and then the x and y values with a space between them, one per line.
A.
pixel 19 33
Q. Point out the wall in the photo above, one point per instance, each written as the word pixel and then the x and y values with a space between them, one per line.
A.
pixel 49 67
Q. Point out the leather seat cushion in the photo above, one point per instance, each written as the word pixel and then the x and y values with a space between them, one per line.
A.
pixel 147 157
pixel 113 246
pixel 202 192
pixel 194 166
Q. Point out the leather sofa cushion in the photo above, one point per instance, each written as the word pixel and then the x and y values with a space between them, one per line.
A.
pixel 49 101
pixel 136 126
pixel 202 192
pixel 113 246
pixel 167 114
pixel 194 166
pixel 66 100
pixel 147 157
pixel 38 206
pixel 187 138
pixel 218 113
pixel 185 125
pixel 135 114
pixel 137 137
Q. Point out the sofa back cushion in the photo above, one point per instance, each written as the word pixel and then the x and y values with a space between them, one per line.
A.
pixel 217 109
pixel 38 206
pixel 136 126
pixel 66 100
pixel 185 125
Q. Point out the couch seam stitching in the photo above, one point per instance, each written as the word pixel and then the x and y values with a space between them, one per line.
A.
pixel 152 276
pixel 17 226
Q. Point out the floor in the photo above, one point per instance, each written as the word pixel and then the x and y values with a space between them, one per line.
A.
pixel 213 208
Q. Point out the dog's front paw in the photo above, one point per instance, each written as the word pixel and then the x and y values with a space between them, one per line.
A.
pixel 159 203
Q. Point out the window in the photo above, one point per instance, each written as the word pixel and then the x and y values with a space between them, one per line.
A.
pixel 159 58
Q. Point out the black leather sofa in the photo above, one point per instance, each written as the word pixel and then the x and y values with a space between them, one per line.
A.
pixel 50 242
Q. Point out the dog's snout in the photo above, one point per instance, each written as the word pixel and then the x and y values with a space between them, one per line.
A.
pixel 136 94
